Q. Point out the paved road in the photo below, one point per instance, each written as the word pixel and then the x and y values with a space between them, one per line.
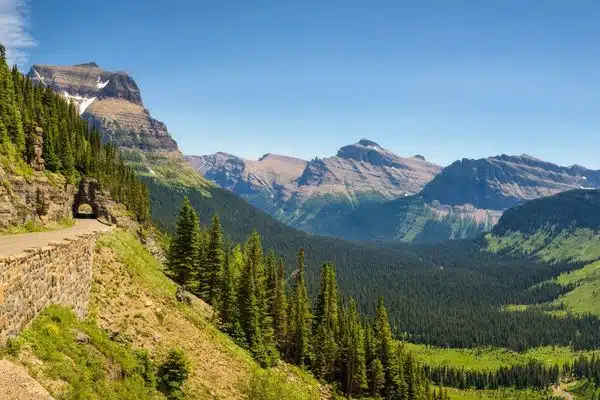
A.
pixel 14 244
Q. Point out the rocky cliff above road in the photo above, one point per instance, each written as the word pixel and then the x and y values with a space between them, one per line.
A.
pixel 110 101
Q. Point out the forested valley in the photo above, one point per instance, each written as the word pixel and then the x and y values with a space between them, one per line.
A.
pixel 266 307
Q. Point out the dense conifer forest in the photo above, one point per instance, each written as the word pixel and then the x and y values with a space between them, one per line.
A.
pixel 69 147
pixel 271 314
pixel 447 295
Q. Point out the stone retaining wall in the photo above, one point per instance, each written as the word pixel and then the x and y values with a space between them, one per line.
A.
pixel 60 273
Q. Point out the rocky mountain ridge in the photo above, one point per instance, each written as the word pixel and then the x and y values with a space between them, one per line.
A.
pixel 503 181
pixel 297 191
pixel 467 198
pixel 110 101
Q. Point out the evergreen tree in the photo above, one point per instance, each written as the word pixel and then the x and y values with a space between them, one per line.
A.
pixel 250 314
pixel 67 161
pixel 184 245
pixel 385 351
pixel 300 318
pixel 227 304
pixel 279 308
pixel 377 377
pixel 10 111
pixel 326 327
pixel 213 261
pixel 353 357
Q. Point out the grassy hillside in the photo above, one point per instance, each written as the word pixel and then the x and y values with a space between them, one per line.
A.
pixel 580 292
pixel 574 208
pixel 561 228
pixel 133 306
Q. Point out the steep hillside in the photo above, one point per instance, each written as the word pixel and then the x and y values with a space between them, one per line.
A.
pixel 464 200
pixel 300 193
pixel 134 307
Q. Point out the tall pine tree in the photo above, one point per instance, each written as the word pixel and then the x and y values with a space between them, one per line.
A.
pixel 300 318
pixel 183 251
pixel 213 262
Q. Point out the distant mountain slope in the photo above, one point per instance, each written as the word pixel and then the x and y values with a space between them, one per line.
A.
pixel 560 228
pixel 110 101
pixel 465 199
pixel 567 210
pixel 497 183
pixel 298 192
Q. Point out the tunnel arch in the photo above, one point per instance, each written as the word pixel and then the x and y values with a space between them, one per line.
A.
pixel 84 211
pixel 87 203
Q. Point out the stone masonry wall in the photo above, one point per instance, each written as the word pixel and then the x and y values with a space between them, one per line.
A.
pixel 60 273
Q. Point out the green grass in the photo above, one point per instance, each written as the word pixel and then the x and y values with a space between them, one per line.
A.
pixel 500 394
pixel 171 170
pixel 491 358
pixel 268 385
pixel 139 261
pixel 97 368
pixel 581 245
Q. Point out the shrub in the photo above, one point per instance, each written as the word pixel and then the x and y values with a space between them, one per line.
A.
pixel 172 374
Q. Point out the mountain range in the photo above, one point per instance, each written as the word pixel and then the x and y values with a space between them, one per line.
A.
pixel 366 192
pixel 299 192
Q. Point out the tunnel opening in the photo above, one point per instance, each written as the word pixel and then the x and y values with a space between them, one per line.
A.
pixel 84 211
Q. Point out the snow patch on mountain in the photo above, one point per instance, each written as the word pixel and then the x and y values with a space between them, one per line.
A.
pixel 41 79
pixel 82 103
pixel 101 85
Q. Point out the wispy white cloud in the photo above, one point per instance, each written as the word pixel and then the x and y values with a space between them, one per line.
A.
pixel 14 30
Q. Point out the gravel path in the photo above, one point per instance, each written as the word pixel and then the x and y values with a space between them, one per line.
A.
pixel 16 384
pixel 14 244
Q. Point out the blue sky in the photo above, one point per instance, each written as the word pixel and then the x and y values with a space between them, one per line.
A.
pixel 446 79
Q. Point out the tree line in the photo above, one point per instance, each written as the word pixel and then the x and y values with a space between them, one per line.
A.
pixel 271 314
pixel 69 146
pixel 533 374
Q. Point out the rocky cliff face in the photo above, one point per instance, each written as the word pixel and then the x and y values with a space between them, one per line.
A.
pixel 297 191
pixel 110 101
pixel 501 182
pixel 38 199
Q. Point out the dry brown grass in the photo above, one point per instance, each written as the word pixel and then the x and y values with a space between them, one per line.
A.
pixel 133 309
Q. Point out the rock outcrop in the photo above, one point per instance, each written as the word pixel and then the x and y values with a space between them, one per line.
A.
pixel 297 191
pixel 39 199
pixel 110 101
